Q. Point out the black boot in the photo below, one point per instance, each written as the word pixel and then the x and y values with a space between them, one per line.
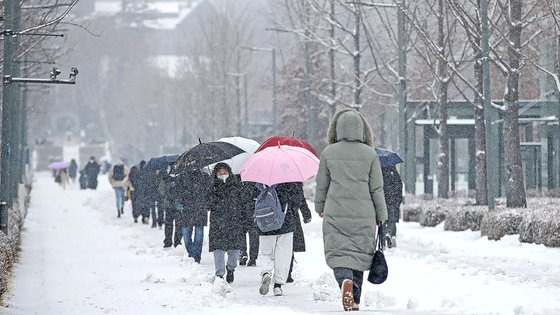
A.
pixel 229 276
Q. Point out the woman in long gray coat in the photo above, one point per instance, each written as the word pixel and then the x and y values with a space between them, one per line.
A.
pixel 349 197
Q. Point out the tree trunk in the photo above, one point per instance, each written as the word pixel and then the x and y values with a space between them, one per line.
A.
pixel 515 188
pixel 480 129
pixel 331 59
pixel 443 83
pixel 357 57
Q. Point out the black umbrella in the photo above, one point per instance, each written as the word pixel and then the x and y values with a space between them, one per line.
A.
pixel 205 154
pixel 160 163
pixel 388 158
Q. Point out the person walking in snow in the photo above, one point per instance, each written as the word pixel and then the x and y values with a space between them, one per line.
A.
pixel 226 221
pixel 349 197
pixel 170 195
pixel 299 237
pixel 134 180
pixel 392 187
pixel 73 170
pixel 62 178
pixel 276 247
pixel 118 178
pixel 92 171
pixel 250 228
pixel 195 185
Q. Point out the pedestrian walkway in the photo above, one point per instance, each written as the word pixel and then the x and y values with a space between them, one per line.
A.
pixel 78 258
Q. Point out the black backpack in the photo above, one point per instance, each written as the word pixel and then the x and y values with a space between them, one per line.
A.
pixel 118 172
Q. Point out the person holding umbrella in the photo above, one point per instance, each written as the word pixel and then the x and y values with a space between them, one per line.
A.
pixel 392 187
pixel 279 170
pixel 349 197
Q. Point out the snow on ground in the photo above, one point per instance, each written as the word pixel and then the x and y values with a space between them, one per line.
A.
pixel 78 258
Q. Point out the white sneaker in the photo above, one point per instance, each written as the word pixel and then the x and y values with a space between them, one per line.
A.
pixel 277 291
pixel 265 284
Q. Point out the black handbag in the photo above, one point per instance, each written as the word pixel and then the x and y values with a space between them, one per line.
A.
pixel 378 271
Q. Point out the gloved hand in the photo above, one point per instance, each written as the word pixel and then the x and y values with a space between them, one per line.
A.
pixel 306 220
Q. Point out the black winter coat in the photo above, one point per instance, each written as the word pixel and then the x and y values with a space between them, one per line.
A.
pixel 226 215
pixel 291 194
pixel 299 238
pixel 92 170
pixel 392 187
pixel 194 188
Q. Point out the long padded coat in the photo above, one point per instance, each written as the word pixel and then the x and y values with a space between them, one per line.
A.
pixel 226 215
pixel 350 192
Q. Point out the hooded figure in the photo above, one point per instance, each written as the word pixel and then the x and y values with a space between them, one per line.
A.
pixel 349 196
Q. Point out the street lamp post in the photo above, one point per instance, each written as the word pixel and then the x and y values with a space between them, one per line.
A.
pixel 273 51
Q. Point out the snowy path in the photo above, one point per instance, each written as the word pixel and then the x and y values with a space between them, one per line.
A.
pixel 78 258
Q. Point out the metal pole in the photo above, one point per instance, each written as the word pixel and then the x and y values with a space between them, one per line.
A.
pixel 491 147
pixel 7 114
pixel 246 118
pixel 274 118
pixel 238 93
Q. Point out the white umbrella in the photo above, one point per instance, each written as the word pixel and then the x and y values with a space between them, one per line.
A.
pixel 247 145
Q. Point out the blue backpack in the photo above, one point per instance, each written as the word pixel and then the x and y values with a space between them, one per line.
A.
pixel 268 210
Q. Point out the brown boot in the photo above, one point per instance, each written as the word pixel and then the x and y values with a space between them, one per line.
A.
pixel 347 294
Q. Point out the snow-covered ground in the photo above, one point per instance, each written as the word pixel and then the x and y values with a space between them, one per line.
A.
pixel 78 258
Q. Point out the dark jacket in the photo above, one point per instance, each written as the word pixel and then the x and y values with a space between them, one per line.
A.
pixel 92 170
pixel 226 215
pixel 392 188
pixel 73 169
pixel 299 238
pixel 291 194
pixel 192 191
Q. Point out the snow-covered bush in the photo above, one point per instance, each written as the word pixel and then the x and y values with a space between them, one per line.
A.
pixel 8 247
pixel 541 226
pixel 412 212
pixel 496 224
pixel 433 216
pixel 464 218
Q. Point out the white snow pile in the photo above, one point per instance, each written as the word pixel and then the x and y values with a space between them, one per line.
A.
pixel 326 288
pixel 497 224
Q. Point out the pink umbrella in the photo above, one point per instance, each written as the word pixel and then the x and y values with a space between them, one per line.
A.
pixel 280 164
pixel 58 165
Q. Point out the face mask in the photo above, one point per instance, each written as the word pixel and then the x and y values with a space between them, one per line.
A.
pixel 223 177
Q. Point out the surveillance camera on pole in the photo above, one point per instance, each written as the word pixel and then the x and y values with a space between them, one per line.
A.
pixel 7 79
pixel 73 74
pixel 54 73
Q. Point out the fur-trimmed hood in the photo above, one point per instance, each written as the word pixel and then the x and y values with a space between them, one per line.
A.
pixel 351 125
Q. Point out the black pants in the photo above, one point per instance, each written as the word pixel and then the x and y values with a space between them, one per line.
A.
pixel 253 243
pixel 172 220
pixel 157 213
pixel 390 228
pixel 357 278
